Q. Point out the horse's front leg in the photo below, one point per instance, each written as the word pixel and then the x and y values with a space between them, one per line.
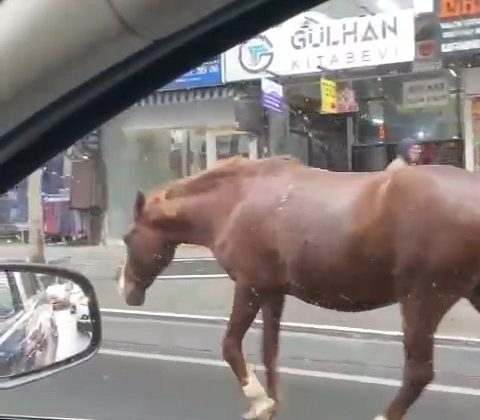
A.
pixel 272 309
pixel 246 305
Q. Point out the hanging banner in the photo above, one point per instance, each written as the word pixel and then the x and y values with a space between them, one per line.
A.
pixel 337 97
pixel 346 101
pixel 328 93
pixel 428 52
pixel 272 95
pixel 476 132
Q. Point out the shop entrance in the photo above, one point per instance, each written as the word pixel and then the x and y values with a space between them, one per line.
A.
pixel 196 149
pixel 327 138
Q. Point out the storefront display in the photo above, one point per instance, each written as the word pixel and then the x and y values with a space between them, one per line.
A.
pixel 476 131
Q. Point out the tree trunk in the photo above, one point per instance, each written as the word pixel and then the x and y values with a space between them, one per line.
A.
pixel 36 237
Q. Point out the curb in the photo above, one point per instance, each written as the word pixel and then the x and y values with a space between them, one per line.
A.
pixel 314 329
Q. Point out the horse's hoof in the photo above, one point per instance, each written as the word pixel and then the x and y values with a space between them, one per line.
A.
pixel 261 410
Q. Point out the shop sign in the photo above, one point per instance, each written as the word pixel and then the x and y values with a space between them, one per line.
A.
pixel 310 43
pixel 426 93
pixel 428 52
pixel 337 97
pixel 460 25
pixel 272 95
pixel 208 74
pixel 476 131
pixel 346 100
pixel 335 44
pixel 328 94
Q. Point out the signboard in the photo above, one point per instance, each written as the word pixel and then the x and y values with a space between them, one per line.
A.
pixel 476 132
pixel 251 59
pixel 309 43
pixel 335 44
pixel 272 95
pixel 328 93
pixel 428 52
pixel 208 74
pixel 337 97
pixel 346 101
pixel 460 25
pixel 426 93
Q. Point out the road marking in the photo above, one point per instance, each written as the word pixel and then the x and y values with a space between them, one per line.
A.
pixel 371 380
pixel 296 326
pixel 193 259
pixel 192 276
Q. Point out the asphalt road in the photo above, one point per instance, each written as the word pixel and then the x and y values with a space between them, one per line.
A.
pixel 148 369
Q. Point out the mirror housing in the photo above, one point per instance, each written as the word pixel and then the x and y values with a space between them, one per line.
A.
pixel 59 317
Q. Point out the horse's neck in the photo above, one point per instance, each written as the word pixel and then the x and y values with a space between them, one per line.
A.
pixel 207 213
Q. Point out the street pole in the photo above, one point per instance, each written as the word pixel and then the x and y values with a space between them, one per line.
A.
pixel 36 238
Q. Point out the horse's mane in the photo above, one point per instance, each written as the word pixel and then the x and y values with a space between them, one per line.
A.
pixel 225 168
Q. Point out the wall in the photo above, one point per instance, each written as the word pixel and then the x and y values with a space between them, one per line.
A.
pixel 136 147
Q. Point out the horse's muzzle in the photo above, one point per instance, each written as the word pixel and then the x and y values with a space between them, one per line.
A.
pixel 131 292
pixel 135 297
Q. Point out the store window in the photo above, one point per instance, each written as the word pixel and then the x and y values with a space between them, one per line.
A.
pixel 422 107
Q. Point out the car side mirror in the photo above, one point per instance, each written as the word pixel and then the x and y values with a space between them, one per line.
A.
pixel 49 322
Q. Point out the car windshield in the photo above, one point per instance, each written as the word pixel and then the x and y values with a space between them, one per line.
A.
pixel 329 161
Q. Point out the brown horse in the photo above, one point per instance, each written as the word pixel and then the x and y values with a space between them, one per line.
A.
pixel 344 241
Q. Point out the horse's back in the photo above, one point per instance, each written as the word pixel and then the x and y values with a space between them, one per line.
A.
pixel 340 229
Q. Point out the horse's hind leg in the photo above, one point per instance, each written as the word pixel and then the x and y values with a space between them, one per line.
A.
pixel 246 305
pixel 422 311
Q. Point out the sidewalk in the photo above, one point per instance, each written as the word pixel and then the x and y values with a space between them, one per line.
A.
pixel 113 253
pixel 95 262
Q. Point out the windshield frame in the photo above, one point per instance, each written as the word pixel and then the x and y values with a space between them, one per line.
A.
pixel 59 124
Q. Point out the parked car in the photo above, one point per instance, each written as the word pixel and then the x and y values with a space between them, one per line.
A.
pixel 28 330
pixel 76 297
pixel 84 323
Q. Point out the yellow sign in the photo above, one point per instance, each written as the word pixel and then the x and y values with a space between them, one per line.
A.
pixel 328 93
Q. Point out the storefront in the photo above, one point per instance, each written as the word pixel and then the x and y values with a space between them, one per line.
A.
pixel 175 132
pixel 459 37
pixel 390 68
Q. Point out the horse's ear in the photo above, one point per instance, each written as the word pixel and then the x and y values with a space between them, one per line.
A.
pixel 139 205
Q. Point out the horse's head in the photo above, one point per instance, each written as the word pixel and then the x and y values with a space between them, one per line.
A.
pixel 150 249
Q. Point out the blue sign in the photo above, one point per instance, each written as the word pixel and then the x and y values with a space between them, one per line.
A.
pixel 272 95
pixel 208 74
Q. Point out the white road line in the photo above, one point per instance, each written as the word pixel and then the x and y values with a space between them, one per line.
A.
pixel 371 380
pixel 193 276
pixel 293 325
pixel 194 259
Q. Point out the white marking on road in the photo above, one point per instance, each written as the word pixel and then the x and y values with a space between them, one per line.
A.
pixel 121 281
pixel 193 276
pixel 370 380
pixel 193 259
pixel 293 325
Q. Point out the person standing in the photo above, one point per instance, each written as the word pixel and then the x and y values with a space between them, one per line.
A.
pixel 409 154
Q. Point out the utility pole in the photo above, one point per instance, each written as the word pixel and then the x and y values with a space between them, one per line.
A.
pixel 36 237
